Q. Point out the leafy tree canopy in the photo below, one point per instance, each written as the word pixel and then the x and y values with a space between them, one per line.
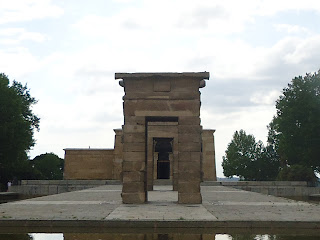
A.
pixel 297 173
pixel 48 167
pixel 295 130
pixel 249 159
pixel 17 125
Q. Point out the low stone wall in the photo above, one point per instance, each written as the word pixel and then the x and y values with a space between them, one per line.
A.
pixel 50 187
pixel 284 191
pixel 275 188
pixel 255 183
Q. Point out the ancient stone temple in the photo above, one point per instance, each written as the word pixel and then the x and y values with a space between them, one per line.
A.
pixel 161 120
pixel 161 139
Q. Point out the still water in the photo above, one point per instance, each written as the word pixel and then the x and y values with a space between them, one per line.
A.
pixel 152 236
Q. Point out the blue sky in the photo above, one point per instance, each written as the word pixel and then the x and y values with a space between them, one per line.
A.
pixel 68 51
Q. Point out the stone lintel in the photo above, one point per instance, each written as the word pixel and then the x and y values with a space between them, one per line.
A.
pixel 164 75
pixel 88 149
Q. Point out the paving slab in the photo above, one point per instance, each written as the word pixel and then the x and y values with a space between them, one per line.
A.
pixel 101 207
pixel 161 212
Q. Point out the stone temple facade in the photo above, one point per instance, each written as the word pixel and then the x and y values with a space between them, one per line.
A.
pixel 161 139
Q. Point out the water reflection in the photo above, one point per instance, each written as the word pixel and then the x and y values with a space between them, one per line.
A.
pixel 151 236
pixel 47 236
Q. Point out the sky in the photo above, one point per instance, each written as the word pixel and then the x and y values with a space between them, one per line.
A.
pixel 68 51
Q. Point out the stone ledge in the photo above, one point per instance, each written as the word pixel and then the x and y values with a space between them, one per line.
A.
pixel 200 75
pixel 255 183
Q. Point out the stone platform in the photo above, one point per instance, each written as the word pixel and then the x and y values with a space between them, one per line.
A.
pixel 101 209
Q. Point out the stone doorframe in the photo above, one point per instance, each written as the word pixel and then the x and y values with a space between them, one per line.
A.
pixel 161 127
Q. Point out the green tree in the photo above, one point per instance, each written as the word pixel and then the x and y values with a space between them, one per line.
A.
pixel 17 125
pixel 249 159
pixel 297 173
pixel 295 130
pixel 48 166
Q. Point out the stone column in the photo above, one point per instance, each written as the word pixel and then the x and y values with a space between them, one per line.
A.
pixel 189 160
pixel 134 165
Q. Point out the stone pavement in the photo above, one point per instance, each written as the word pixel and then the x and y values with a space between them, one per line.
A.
pixel 222 207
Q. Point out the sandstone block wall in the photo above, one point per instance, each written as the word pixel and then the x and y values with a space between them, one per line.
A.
pixel 189 159
pixel 134 165
pixel 88 164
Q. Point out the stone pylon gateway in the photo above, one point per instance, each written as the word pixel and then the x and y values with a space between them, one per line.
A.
pixel 162 122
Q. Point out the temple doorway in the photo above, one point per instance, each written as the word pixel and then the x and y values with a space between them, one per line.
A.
pixel 163 153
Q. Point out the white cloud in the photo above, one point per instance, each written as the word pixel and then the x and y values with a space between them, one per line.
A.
pixel 271 7
pixel 263 98
pixel 157 18
pixel 291 29
pixel 196 32
pixel 13 36
pixel 18 61
pixel 26 10
pixel 306 51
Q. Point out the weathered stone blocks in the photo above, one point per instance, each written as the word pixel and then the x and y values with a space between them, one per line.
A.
pixel 189 157
pixel 189 120
pixel 148 107
pixel 133 156
pixel 194 138
pixel 134 147
pixel 161 95
pixel 189 187
pixel 190 175
pixel 161 86
pixel 189 129
pixel 133 198
pixel 189 198
pixel 134 137
pixel 132 187
pixel 95 163
pixel 133 128
pixel 189 147
pixel 134 176
pixel 133 166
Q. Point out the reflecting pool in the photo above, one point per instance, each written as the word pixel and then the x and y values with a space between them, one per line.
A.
pixel 154 236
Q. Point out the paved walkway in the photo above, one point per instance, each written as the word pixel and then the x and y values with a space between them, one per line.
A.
pixel 222 207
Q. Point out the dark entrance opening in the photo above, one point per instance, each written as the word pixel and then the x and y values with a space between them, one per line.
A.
pixel 163 146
